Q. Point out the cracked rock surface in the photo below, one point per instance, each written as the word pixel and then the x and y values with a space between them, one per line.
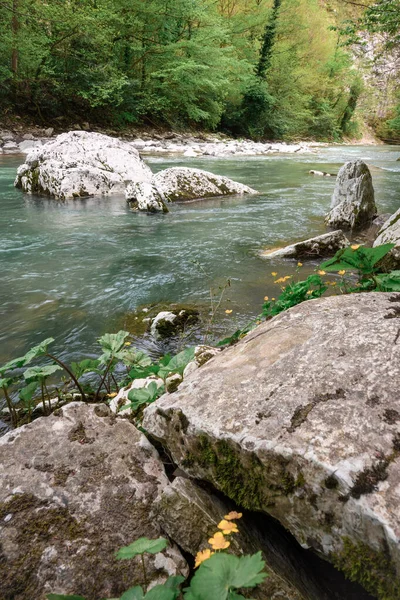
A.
pixel 74 488
pixel 301 420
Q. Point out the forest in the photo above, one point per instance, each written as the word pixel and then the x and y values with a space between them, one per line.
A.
pixel 281 69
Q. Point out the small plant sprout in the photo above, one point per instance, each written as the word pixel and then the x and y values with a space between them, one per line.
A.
pixel 141 547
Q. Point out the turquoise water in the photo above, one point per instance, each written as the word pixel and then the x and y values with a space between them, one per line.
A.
pixel 73 270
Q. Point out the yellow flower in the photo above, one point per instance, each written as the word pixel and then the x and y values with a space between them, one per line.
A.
pixel 202 556
pixel 128 344
pixel 342 272
pixel 299 264
pixel 309 292
pixel 228 527
pixel 218 542
pixel 321 272
pixel 280 280
pixel 333 283
pixel 233 515
pixel 355 246
pixel 274 274
pixel 228 312
pixel 287 277
pixel 112 395
pixel 266 298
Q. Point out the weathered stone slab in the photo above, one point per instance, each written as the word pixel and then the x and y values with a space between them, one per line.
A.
pixel 322 245
pixel 74 488
pixel 146 197
pixel 301 420
pixel 183 183
pixel 353 201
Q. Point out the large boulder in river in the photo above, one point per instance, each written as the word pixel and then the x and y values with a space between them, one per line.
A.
pixel 301 420
pixel 74 488
pixel 79 164
pixel 390 234
pixel 322 245
pixel 353 201
pixel 183 183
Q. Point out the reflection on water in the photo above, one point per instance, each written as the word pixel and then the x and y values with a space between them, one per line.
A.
pixel 73 269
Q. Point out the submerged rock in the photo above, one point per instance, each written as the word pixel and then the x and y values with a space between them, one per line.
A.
pixel 171 322
pixel 183 183
pixel 300 420
pixel 79 164
pixel 390 234
pixel 353 201
pixel 74 488
pixel 322 245
pixel 145 196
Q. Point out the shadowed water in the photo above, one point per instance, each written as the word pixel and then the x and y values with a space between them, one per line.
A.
pixel 73 269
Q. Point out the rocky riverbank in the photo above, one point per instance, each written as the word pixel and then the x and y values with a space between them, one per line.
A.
pixel 20 141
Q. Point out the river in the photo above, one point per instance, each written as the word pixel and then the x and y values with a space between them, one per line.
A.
pixel 73 270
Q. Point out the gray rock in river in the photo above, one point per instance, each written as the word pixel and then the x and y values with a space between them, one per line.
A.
pixel 146 197
pixel 171 322
pixel 74 488
pixel 390 234
pixel 353 201
pixel 322 245
pixel 301 420
pixel 183 183
pixel 79 164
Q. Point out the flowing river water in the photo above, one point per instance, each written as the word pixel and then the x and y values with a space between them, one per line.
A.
pixel 73 270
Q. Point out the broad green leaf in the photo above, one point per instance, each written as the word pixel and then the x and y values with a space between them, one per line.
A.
pixel 248 572
pixel 16 363
pixel 174 582
pixel 141 546
pixel 159 592
pixel 41 372
pixel 389 282
pixel 134 357
pixel 6 382
pixel 178 363
pixel 63 597
pixel 87 365
pixel 376 254
pixel 135 593
pixel 235 596
pixel 111 343
pixel 144 395
pixel 26 393
pixel 38 350
pixel 222 573
pixel 142 373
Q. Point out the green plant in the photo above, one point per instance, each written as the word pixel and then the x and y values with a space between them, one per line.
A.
pixel 293 294
pixel 365 262
pixel 143 396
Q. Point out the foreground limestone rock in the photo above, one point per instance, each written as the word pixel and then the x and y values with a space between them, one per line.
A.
pixel 390 234
pixel 301 420
pixel 353 201
pixel 79 164
pixel 74 488
pixel 322 245
pixel 183 183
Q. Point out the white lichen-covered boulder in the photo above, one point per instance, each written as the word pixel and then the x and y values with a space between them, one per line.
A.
pixel 183 183
pixel 301 420
pixel 145 196
pixel 79 164
pixel 390 234
pixel 74 488
pixel 322 245
pixel 353 201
